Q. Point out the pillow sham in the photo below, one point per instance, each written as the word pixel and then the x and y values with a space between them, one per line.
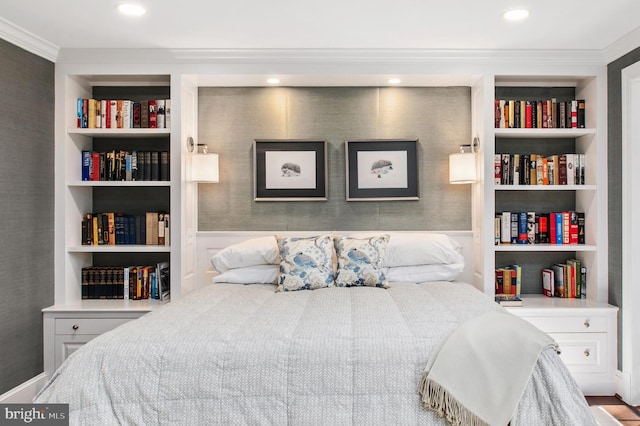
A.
pixel 360 261
pixel 306 263
pixel 256 251
pixel 410 249
pixel 258 274
pixel 422 273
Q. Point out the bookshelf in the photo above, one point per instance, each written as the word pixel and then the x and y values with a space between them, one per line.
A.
pixel 585 329
pixel 553 198
pixel 72 321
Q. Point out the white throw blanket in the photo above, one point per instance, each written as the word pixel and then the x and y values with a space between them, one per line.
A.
pixel 479 372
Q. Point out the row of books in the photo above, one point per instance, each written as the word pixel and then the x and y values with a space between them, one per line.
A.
pixel 540 228
pixel 123 114
pixel 128 282
pixel 534 169
pixel 508 284
pixel 568 279
pixel 124 165
pixel 111 228
pixel 539 114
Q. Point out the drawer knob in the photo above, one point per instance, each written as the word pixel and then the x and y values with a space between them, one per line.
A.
pixel 75 326
pixel 586 324
pixel 586 352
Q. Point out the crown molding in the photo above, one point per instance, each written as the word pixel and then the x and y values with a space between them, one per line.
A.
pixel 321 56
pixel 28 41
pixel 622 46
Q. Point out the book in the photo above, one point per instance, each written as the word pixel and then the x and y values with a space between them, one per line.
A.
pixel 508 300
pixel 151 221
pixel 167 113
pixel 576 267
pixel 547 282
pixel 160 116
pixel 164 165
pixel 516 279
pixel 559 289
pixel 155 165
pixel 497 229
pixel 160 229
pixel 523 235
pixel 164 282
pixel 153 114
pixel 581 114
pixel 497 172
pixel 514 228
pixel 505 231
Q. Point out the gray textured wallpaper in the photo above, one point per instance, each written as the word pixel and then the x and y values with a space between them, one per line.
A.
pixel 614 91
pixel 229 119
pixel 26 210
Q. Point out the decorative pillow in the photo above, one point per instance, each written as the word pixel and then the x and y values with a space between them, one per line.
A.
pixel 422 249
pixel 422 273
pixel 360 261
pixel 257 251
pixel 258 274
pixel 307 263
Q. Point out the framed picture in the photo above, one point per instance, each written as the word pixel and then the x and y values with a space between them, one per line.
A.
pixel 382 170
pixel 290 170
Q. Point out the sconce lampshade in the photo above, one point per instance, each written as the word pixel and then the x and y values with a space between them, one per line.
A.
pixel 204 168
pixel 462 167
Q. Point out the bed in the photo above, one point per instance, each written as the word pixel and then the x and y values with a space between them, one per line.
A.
pixel 261 353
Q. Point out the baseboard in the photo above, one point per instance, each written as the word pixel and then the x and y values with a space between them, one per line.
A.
pixel 24 393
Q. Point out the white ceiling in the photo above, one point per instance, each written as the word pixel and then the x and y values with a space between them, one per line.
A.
pixel 327 24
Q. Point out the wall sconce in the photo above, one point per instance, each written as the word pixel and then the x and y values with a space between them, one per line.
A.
pixel 462 165
pixel 204 166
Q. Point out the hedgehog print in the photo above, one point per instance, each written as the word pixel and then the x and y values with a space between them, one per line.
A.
pixel 381 167
pixel 290 170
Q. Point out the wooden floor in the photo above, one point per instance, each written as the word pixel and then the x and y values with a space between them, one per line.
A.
pixel 628 416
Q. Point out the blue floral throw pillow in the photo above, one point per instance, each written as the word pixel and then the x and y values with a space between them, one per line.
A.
pixel 307 263
pixel 360 261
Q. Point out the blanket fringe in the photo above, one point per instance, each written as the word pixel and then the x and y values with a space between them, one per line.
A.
pixel 438 400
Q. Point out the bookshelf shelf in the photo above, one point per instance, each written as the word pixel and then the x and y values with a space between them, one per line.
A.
pixel 119 248
pixel 545 248
pixel 120 183
pixel 543 133
pixel 545 187
pixel 120 133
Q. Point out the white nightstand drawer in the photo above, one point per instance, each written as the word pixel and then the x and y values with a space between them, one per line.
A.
pixel 583 352
pixel 87 325
pixel 569 324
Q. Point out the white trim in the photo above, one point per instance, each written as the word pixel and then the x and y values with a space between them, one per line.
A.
pixel 322 56
pixel 622 46
pixel 25 392
pixel 28 41
pixel 630 235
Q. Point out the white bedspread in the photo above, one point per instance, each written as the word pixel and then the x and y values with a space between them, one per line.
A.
pixel 234 354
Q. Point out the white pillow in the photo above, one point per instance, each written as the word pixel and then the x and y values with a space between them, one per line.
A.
pixel 422 249
pixel 258 274
pixel 422 273
pixel 257 251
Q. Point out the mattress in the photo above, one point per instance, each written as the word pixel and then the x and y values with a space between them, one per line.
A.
pixel 245 354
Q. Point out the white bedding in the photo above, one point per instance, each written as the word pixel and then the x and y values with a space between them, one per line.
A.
pixel 244 354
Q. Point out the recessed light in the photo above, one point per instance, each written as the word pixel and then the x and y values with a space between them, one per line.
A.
pixel 515 14
pixel 273 81
pixel 131 9
pixel 393 81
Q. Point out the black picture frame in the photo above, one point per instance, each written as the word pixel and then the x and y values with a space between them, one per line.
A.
pixel 290 170
pixel 382 170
